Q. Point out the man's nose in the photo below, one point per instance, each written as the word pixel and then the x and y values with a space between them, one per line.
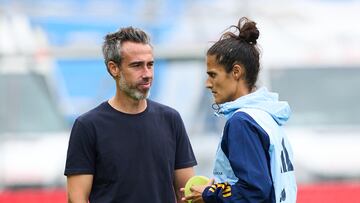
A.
pixel 147 72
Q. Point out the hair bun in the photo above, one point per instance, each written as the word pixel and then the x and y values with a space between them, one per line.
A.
pixel 248 30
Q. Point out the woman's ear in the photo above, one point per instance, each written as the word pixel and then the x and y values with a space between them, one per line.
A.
pixel 114 69
pixel 237 72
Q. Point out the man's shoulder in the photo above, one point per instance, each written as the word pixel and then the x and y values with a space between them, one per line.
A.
pixel 93 113
pixel 161 108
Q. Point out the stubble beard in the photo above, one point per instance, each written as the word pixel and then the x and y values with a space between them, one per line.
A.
pixel 131 90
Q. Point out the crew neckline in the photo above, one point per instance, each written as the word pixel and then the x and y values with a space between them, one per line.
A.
pixel 107 104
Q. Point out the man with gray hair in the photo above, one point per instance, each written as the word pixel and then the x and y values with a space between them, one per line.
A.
pixel 129 148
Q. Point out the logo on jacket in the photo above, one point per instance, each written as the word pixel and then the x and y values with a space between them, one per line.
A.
pixel 283 195
pixel 285 159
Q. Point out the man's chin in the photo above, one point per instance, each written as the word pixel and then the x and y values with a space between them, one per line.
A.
pixel 139 95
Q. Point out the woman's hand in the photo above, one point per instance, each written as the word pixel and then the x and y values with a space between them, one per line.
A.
pixel 196 192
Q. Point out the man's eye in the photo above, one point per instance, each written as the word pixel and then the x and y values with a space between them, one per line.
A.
pixel 135 65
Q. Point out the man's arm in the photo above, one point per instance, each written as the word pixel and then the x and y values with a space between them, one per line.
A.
pixel 181 177
pixel 79 187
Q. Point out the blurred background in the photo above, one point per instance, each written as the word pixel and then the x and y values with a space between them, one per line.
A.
pixel 52 70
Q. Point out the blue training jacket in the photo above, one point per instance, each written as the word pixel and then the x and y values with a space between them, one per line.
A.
pixel 254 160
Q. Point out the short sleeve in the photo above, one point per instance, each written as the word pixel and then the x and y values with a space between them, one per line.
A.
pixel 81 151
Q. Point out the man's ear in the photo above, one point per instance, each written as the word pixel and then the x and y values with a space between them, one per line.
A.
pixel 238 72
pixel 113 68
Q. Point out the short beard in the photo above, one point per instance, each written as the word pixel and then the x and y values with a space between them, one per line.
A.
pixel 132 92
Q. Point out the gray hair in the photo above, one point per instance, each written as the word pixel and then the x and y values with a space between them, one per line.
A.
pixel 112 42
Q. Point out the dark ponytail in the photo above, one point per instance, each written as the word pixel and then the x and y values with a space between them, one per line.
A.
pixel 239 47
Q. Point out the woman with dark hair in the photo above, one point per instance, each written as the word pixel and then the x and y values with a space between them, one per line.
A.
pixel 254 160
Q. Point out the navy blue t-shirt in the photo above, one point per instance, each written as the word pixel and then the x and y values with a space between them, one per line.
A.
pixel 132 156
